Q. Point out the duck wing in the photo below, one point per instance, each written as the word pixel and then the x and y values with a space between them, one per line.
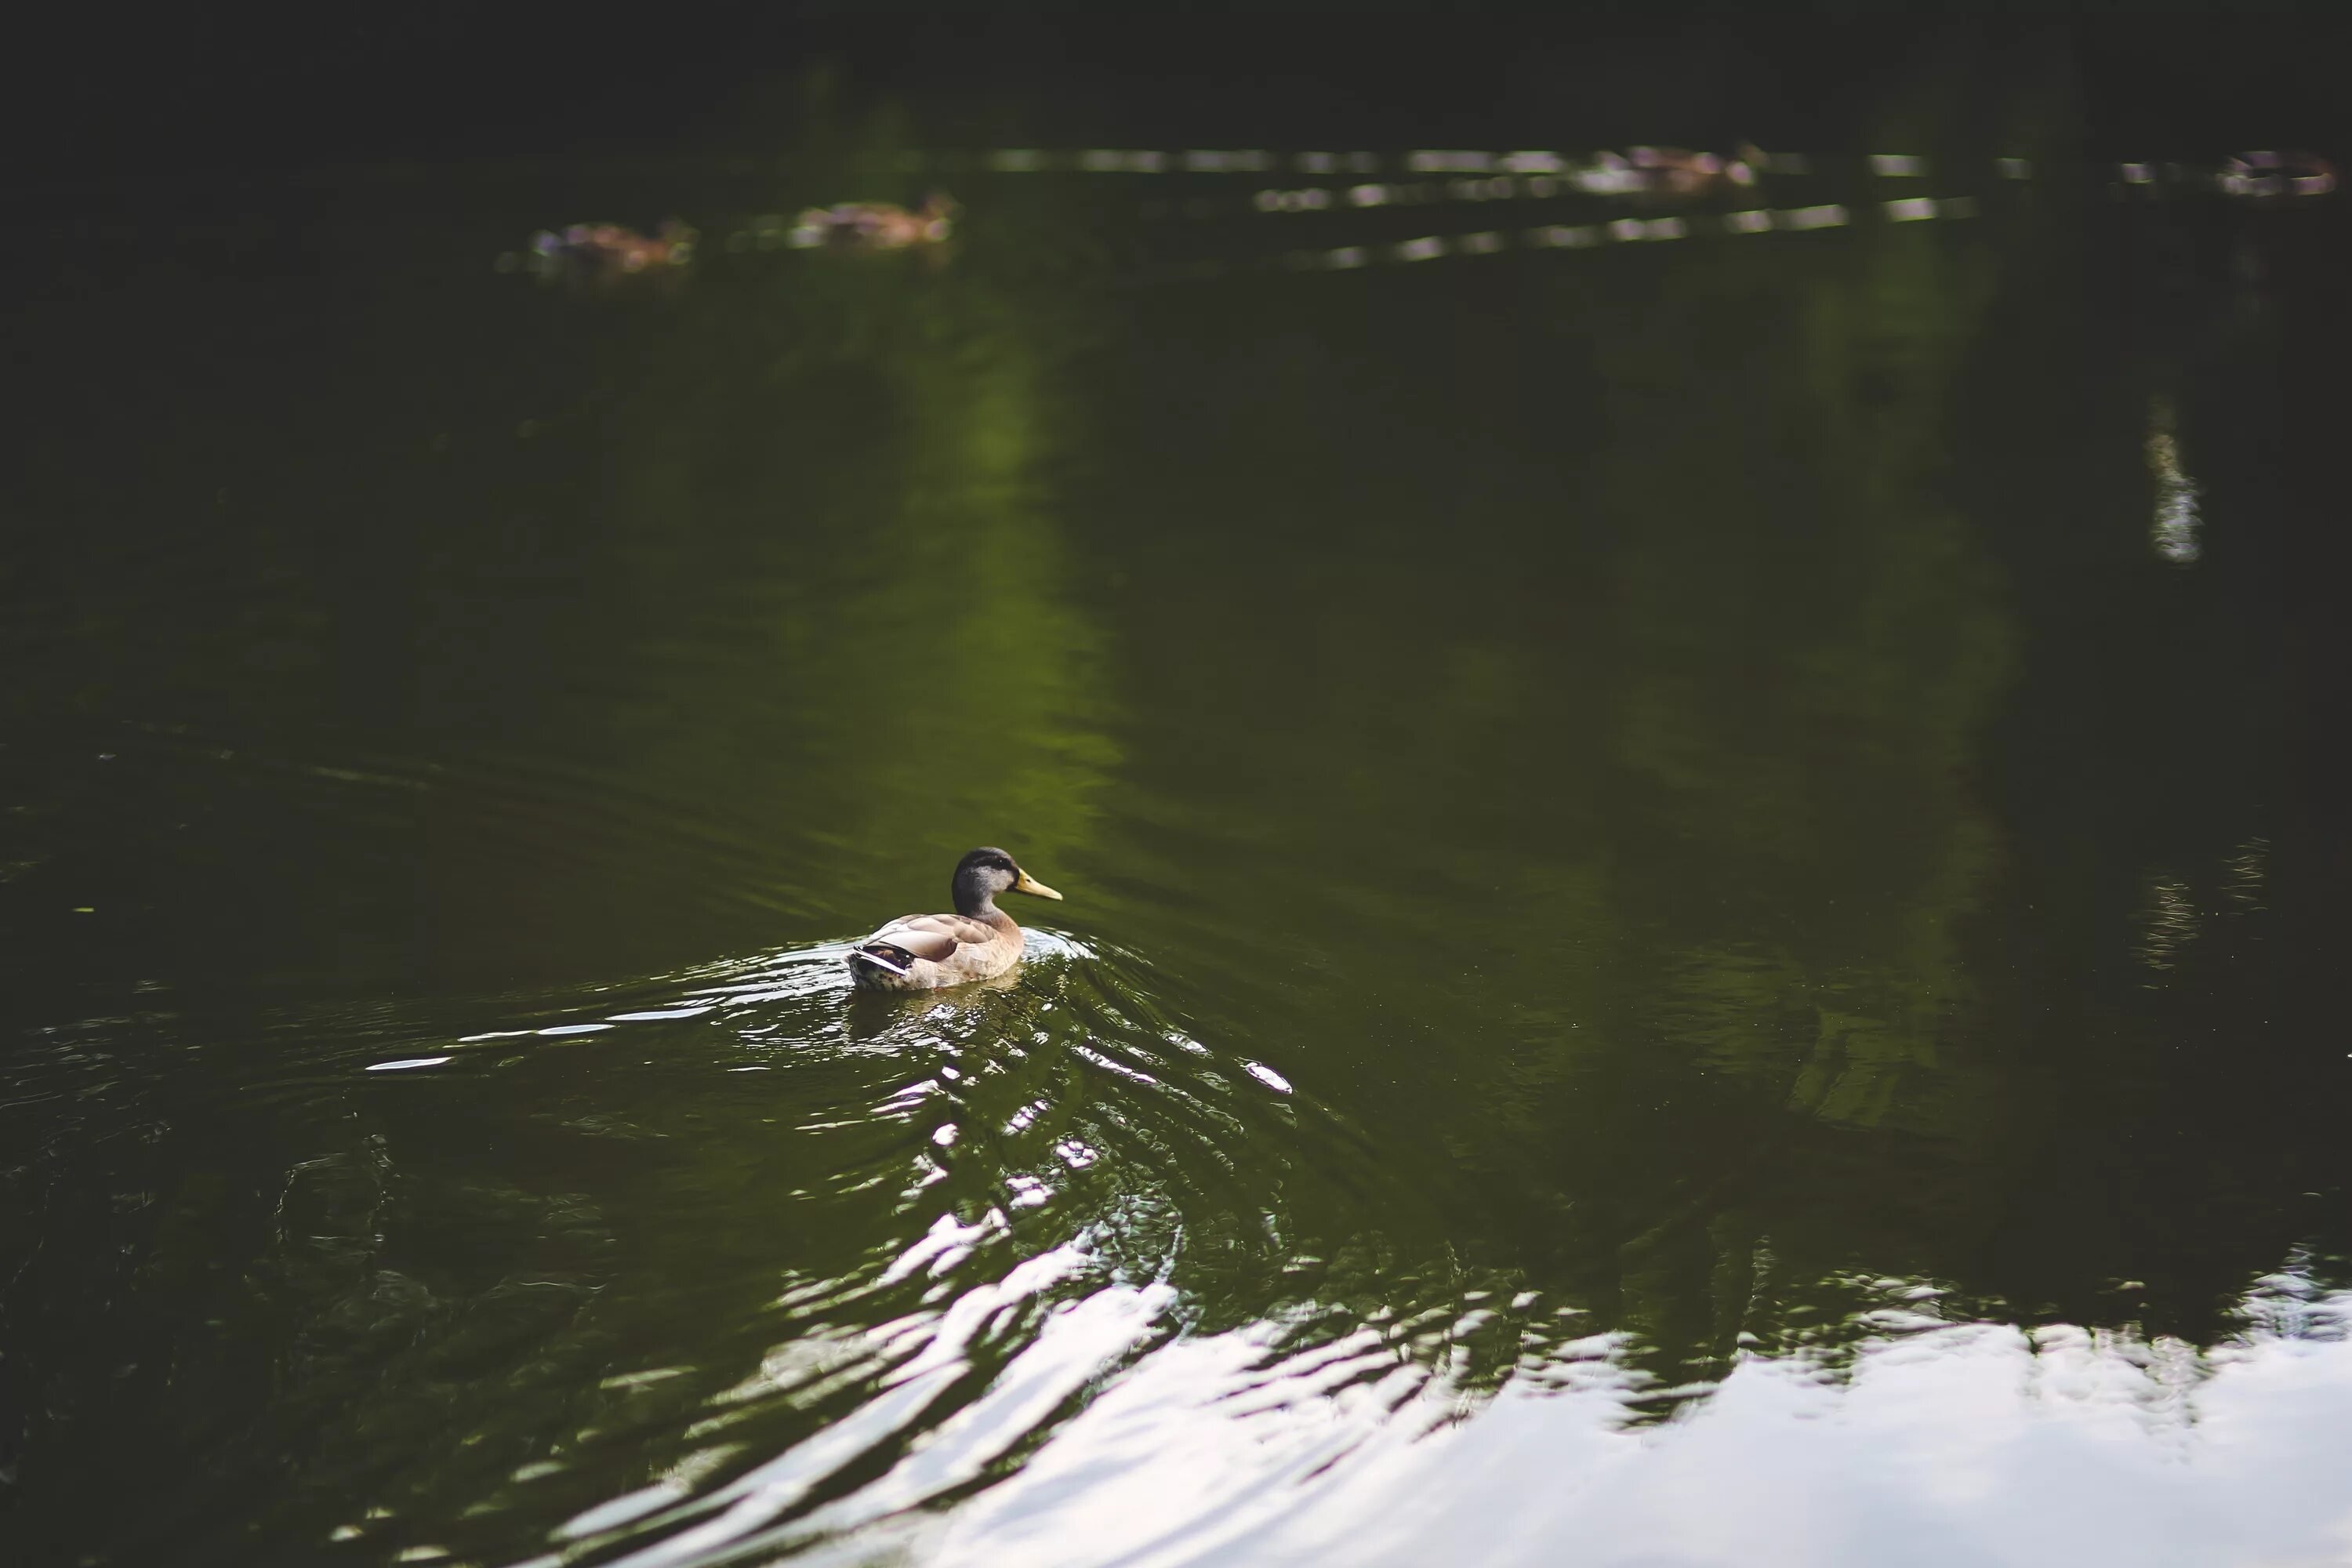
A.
pixel 934 937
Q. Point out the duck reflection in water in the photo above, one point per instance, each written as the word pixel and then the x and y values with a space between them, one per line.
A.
pixel 978 941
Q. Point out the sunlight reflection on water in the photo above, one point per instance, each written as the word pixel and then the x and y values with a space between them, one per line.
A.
pixel 2101 1447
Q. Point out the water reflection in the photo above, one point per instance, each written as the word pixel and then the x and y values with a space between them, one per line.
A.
pixel 1941 1442
pixel 1651 872
pixel 1032 1245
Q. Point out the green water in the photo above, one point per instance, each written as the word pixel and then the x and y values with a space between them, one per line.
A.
pixel 1626 814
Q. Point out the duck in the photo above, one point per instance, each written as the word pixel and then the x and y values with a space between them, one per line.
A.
pixel 1674 173
pixel 978 941
pixel 2266 176
pixel 877 225
pixel 610 250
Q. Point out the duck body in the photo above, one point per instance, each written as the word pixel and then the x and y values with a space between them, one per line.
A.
pixel 978 941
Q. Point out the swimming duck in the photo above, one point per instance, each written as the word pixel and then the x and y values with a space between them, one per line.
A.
pixel 609 250
pixel 2266 176
pixel 877 225
pixel 1673 173
pixel 924 953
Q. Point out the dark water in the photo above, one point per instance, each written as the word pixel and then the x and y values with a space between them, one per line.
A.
pixel 1702 895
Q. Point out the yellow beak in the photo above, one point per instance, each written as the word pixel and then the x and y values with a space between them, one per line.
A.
pixel 1029 884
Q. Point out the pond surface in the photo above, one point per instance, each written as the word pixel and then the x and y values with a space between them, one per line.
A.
pixel 1701 904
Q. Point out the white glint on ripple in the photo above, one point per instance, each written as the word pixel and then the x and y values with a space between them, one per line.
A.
pixel 1267 1076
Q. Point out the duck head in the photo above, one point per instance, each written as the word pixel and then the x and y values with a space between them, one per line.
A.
pixel 984 873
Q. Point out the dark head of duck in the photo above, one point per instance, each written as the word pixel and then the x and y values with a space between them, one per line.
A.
pixel 984 873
